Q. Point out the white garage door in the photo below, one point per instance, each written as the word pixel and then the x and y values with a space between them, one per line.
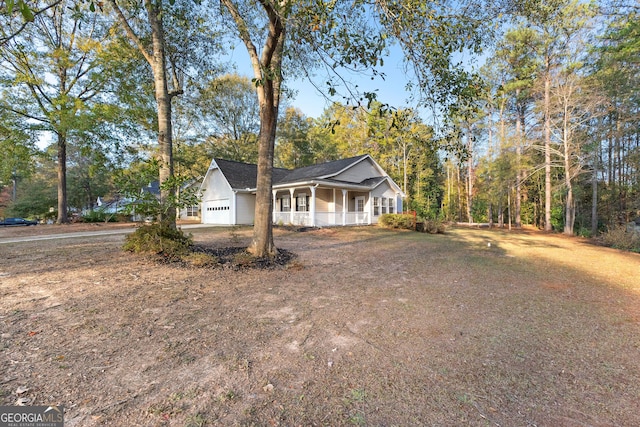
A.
pixel 217 212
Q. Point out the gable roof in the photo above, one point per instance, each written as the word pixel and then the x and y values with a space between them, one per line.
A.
pixel 243 176
pixel 322 170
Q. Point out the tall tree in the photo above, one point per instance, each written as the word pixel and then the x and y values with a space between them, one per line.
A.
pixel 548 19
pixel 575 101
pixel 17 148
pixel 171 55
pixel 617 68
pixel 227 116
pixel 515 54
pixel 53 72
pixel 345 35
pixel 293 148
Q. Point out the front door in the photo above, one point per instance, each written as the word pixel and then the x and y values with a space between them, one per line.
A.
pixel 360 216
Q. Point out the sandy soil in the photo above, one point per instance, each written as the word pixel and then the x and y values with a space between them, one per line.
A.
pixel 365 327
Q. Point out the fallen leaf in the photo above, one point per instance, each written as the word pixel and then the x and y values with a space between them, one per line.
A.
pixel 268 388
pixel 32 333
pixel 23 401
pixel 22 390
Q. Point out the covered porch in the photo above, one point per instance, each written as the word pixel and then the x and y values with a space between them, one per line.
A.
pixel 326 206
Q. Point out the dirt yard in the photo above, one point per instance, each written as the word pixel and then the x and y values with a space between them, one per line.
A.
pixel 365 327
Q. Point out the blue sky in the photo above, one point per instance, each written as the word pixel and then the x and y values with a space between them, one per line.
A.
pixel 391 90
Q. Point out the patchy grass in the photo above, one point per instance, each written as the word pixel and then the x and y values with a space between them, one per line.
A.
pixel 371 327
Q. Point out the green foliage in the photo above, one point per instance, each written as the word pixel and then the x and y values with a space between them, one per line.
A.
pixel 98 216
pixel 557 217
pixel 397 139
pixel 133 184
pixel 17 148
pixel 228 113
pixel 34 199
pixel 293 148
pixel 159 239
pixel 402 221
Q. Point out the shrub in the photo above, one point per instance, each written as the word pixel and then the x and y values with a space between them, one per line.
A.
pixel 620 238
pixel 98 216
pixel 159 239
pixel 405 221
pixel 433 226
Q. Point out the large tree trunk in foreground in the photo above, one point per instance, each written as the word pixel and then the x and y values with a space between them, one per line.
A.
pixel 262 243
pixel 267 71
pixel 163 100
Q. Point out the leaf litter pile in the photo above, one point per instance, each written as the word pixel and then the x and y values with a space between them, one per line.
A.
pixel 364 327
pixel 236 258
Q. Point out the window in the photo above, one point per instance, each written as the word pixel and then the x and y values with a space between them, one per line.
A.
pixel 384 205
pixel 285 204
pixel 193 210
pixel 391 207
pixel 301 203
pixel 376 206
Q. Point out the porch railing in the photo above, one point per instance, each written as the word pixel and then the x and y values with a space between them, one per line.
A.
pixel 322 219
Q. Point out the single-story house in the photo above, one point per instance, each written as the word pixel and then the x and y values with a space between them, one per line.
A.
pixel 352 191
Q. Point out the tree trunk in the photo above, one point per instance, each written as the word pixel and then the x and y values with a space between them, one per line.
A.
pixel 62 179
pixel 594 194
pixel 470 178
pixel 519 144
pixel 157 61
pixel 163 100
pixel 490 214
pixel 547 148
pixel 569 214
pixel 262 244
pixel 405 179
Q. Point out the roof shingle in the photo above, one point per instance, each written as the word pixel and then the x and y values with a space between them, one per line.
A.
pixel 244 175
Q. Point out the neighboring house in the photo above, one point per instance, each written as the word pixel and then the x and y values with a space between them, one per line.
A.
pixel 191 212
pixel 122 205
pixel 352 191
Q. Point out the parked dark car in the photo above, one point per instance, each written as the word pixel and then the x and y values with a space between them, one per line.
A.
pixel 16 221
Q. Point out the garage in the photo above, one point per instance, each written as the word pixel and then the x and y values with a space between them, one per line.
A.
pixel 217 212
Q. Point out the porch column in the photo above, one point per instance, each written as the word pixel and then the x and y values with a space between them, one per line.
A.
pixel 233 216
pixel 333 215
pixel 292 205
pixel 370 208
pixel 312 208
pixel 344 207
pixel 274 206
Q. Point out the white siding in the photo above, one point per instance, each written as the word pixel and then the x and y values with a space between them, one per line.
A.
pixel 385 190
pixel 363 170
pixel 245 208
pixel 217 199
